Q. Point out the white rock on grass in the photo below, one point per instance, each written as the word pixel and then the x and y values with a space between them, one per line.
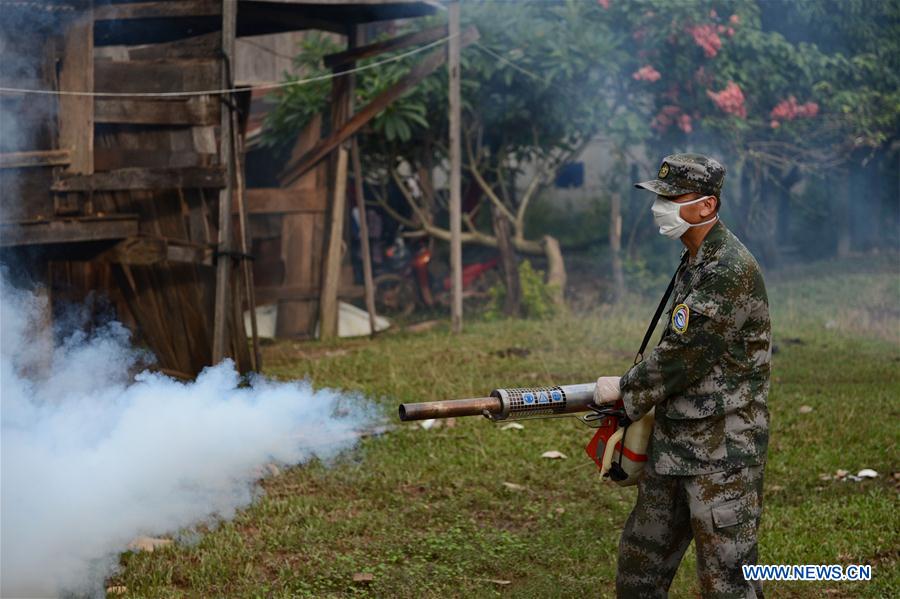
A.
pixel 149 544
pixel 554 455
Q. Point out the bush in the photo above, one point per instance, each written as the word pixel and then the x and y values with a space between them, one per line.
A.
pixel 537 296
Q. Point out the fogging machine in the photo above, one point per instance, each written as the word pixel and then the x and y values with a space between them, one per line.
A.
pixel 618 447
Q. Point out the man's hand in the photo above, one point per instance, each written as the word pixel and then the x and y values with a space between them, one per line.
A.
pixel 607 390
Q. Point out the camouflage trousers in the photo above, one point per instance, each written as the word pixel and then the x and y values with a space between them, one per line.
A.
pixel 720 511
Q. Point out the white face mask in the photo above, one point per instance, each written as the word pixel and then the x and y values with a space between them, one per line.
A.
pixel 667 216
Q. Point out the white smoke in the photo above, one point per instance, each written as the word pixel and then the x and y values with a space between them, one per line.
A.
pixel 92 458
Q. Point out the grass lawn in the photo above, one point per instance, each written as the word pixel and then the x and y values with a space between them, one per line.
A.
pixel 427 513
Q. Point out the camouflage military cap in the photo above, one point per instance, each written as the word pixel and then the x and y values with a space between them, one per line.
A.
pixel 687 173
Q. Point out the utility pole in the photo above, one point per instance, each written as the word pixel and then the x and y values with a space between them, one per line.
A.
pixel 456 306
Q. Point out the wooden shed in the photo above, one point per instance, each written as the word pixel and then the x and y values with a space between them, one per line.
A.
pixel 121 196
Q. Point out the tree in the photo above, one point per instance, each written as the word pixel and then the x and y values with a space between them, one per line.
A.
pixel 533 97
pixel 783 90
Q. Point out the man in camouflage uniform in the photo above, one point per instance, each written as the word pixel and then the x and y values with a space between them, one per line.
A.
pixel 708 380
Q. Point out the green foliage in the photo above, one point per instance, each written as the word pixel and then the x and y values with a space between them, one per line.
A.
pixel 537 296
pixel 298 104
pixel 841 56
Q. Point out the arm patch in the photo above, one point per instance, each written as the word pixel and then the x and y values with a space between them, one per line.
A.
pixel 681 315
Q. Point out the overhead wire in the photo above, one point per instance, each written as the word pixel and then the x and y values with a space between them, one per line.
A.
pixel 215 92
pixel 507 61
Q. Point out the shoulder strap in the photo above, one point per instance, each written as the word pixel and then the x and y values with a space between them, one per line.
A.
pixel 659 310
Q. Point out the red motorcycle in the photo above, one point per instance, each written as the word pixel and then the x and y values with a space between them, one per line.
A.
pixel 408 283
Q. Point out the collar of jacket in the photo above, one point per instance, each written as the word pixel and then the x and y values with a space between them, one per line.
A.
pixel 710 245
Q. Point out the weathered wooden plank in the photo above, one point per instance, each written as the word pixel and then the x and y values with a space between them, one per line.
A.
pixel 36 158
pixel 147 76
pixel 42 232
pixel 296 316
pixel 144 178
pixel 76 113
pixel 201 140
pixel 142 251
pixel 426 36
pixel 200 110
pixel 206 45
pixel 157 10
pixel 109 159
pixel 297 168
pixel 25 193
pixel 272 294
pixel 286 201
pixel 136 251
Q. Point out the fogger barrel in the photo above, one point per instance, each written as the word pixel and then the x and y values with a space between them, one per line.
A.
pixel 506 404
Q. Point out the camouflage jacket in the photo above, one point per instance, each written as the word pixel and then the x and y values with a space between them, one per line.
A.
pixel 709 376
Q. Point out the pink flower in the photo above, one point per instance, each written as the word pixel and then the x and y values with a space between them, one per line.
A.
pixel 713 14
pixel 730 100
pixel 646 73
pixel 730 31
pixel 702 77
pixel 684 123
pixel 706 37
pixel 665 118
pixel 785 110
pixel 671 94
pixel 808 110
pixel 788 110
pixel 774 124
pixel 735 20
pixel 603 3
pixel 720 28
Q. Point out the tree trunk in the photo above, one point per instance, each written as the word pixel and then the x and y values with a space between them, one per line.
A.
pixel 615 246
pixel 512 303
pixel 556 269
pixel 844 217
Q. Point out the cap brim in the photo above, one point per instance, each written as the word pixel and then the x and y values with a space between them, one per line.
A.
pixel 663 189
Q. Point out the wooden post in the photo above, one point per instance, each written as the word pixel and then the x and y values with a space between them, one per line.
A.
pixel 456 306
pixel 368 280
pixel 331 271
pixel 247 268
pixel 223 267
pixel 615 245
pixel 328 308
